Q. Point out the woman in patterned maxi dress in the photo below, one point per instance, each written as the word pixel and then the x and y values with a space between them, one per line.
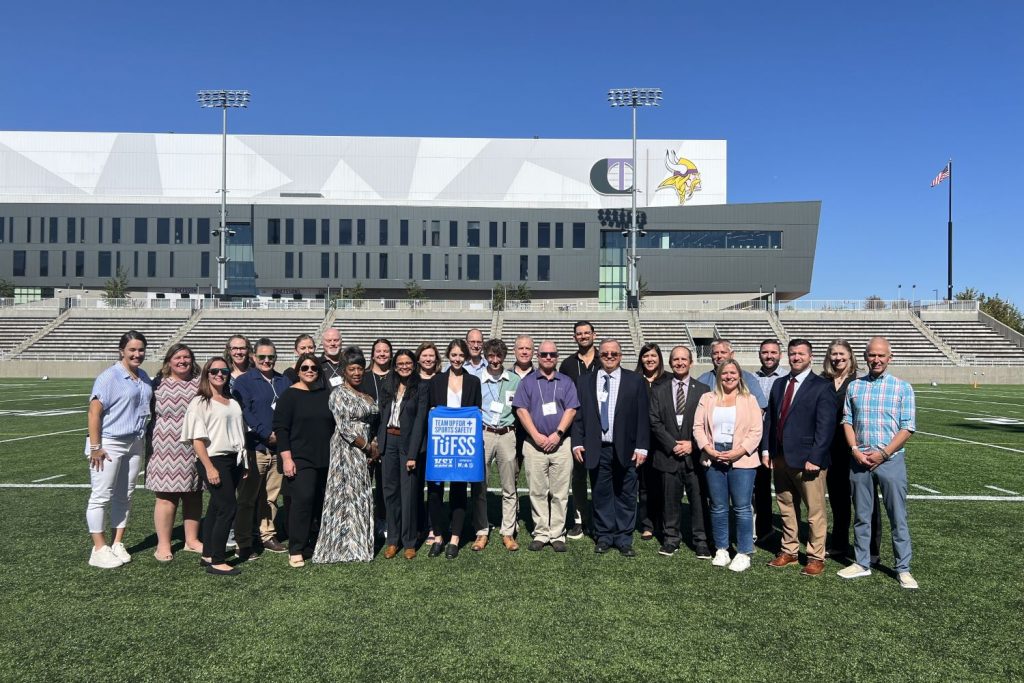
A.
pixel 171 466
pixel 346 528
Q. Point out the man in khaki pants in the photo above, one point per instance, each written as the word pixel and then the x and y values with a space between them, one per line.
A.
pixel 546 403
pixel 497 387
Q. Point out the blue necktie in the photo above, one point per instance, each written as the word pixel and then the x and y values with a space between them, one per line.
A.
pixel 605 424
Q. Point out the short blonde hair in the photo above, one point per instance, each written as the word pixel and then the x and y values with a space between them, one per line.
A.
pixel 719 392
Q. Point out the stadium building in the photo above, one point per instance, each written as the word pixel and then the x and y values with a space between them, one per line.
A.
pixel 312 215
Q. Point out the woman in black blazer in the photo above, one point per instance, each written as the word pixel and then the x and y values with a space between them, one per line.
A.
pixel 454 388
pixel 404 402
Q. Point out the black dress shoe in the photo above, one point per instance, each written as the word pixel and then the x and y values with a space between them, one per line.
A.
pixel 704 553
pixel 668 549
pixel 627 551
pixel 536 545
pixel 559 546
pixel 234 571
pixel 436 549
pixel 601 548
pixel 452 551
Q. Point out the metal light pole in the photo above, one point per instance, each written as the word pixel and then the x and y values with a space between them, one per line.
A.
pixel 222 99
pixel 633 98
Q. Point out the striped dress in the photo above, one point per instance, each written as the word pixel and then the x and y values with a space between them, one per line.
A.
pixel 346 528
pixel 171 467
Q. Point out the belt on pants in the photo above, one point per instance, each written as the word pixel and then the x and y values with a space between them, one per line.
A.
pixel 498 430
pixel 607 443
pixel 394 431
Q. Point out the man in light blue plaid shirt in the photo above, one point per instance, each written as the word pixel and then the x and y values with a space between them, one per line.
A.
pixel 879 418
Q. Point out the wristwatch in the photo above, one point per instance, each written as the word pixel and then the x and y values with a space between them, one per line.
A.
pixel 560 433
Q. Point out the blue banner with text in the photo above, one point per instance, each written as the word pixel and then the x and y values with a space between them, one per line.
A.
pixel 455 444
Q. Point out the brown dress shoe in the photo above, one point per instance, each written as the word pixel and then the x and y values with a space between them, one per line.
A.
pixel 813 568
pixel 510 543
pixel 390 551
pixel 480 543
pixel 783 559
pixel 410 553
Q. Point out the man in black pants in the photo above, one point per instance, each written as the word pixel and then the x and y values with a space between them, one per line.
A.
pixel 578 365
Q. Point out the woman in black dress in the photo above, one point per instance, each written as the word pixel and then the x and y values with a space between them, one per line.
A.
pixel 651 366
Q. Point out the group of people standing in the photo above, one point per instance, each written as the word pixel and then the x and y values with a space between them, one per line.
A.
pixel 344 441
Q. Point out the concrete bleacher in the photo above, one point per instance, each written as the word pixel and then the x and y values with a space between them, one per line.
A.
pixel 210 334
pixel 406 331
pixel 976 342
pixel 15 330
pixel 909 344
pixel 95 336
pixel 559 330
pixel 745 334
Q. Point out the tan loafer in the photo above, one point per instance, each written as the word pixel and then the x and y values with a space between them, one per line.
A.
pixel 510 543
pixel 390 551
pixel 480 543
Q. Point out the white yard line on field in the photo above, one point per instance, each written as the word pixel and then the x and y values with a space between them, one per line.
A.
pixel 947 397
pixel 56 476
pixel 976 443
pixel 39 436
pixel 925 488
pixel 996 488
pixel 40 398
pixel 966 412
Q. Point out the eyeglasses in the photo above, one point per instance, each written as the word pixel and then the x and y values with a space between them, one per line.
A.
pixel 223 372
pixel 266 358
pixel 308 368
pixel 403 365
pixel 239 348
pixel 547 354
pixel 610 354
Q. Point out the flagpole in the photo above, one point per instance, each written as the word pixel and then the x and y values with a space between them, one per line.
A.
pixel 949 245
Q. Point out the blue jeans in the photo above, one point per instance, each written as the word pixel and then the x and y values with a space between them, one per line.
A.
pixel 725 481
pixel 891 477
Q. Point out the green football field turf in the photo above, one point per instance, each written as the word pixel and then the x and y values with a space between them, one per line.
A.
pixel 524 616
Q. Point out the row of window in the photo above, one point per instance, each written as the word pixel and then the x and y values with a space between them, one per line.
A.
pixel 696 239
pixel 49 230
pixel 107 264
pixel 454 267
pixel 347 232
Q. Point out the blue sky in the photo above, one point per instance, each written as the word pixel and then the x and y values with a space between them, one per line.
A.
pixel 856 105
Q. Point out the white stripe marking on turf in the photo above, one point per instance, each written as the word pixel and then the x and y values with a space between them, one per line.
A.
pixel 56 476
pixel 925 488
pixel 42 398
pixel 996 488
pixel 947 397
pixel 976 443
pixel 39 436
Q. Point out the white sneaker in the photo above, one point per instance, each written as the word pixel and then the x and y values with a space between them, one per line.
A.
pixel 231 544
pixel 740 563
pixel 854 571
pixel 907 581
pixel 104 558
pixel 721 558
pixel 121 553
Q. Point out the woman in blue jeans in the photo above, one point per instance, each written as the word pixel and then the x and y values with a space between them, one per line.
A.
pixel 727 428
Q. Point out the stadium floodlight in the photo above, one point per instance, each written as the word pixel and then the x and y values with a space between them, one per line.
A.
pixel 223 100
pixel 634 98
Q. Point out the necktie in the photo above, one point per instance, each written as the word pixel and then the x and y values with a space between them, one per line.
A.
pixel 680 398
pixel 786 400
pixel 605 423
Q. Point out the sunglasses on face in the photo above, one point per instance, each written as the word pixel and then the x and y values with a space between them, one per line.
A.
pixel 223 372
pixel 547 354
pixel 308 368
pixel 610 354
pixel 266 358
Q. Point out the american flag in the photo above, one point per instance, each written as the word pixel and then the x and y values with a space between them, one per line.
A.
pixel 943 174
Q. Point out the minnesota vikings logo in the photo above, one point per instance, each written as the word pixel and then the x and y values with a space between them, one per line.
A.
pixel 685 178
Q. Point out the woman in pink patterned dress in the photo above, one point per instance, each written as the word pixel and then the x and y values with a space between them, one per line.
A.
pixel 171 467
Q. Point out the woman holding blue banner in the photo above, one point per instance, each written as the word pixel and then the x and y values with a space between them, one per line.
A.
pixel 454 388
pixel 346 528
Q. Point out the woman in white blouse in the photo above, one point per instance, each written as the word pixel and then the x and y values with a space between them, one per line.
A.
pixel 214 426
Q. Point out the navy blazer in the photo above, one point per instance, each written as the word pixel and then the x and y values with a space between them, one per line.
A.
pixel 632 421
pixel 810 425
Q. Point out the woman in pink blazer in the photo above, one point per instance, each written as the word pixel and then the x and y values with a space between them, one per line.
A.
pixel 727 428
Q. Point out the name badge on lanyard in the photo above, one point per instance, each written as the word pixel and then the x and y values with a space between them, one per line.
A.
pixel 679 420
pixel 335 381
pixel 549 408
pixel 496 408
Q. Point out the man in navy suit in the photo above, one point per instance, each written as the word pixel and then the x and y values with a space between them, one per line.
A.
pixel 801 423
pixel 610 436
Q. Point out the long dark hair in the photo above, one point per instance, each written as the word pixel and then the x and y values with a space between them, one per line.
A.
pixel 650 346
pixel 391 382
pixel 303 357
pixel 205 390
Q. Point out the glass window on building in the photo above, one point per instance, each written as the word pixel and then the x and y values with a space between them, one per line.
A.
pixel 300 260
pixel 458 260
pixel 170 269
pixel 544 268
pixel 360 231
pixel 435 233
pixel 325 265
pixel 472 266
pixel 524 235
pixel 497 266
pixel 273 231
pixel 80 264
pixel 19 263
pixel 446 266
pixel 150 264
pixel 336 265
pixel 382 267
pixel 492 234
pixel 115 231
pixel 426 266
pixel 345 231
pixel 325 231
pixel 179 230
pixel 309 231
pixel 354 271
pixel 103 264
pixel 473 234
pixel 72 236
pixel 409 273
pixel 403 233
pixel 3 226
pixel 711 239
pixel 543 235
pixel 141 231
pixel 53 230
pixel 203 231
pixel 289 231
pixel 163 230
pixel 559 230
pixel 579 235
pixel 135 263
pixel 382 238
pixel 524 268
pixel 366 264
pixel 289 264
pixel 44 263
pixel 204 264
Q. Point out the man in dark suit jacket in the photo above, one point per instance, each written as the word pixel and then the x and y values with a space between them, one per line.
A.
pixel 675 456
pixel 801 422
pixel 610 435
